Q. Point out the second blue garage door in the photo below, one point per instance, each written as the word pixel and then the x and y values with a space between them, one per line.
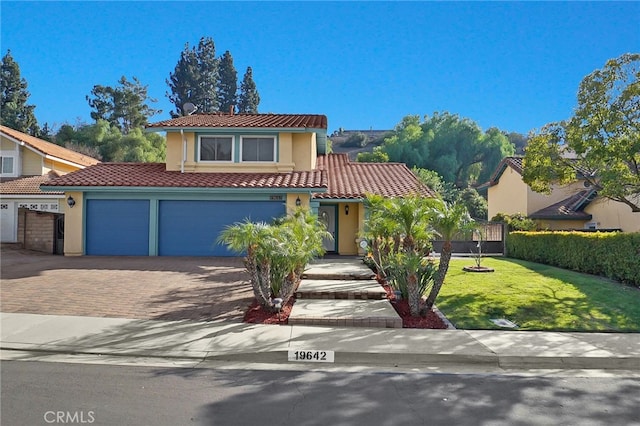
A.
pixel 191 228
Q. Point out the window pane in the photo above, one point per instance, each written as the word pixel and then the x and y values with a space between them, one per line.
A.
pixel 265 149
pixel 249 149
pixel 7 165
pixel 215 149
pixel 257 149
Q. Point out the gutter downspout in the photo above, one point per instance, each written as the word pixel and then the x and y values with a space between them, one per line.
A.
pixel 184 151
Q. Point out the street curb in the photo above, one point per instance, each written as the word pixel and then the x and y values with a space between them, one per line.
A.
pixel 507 362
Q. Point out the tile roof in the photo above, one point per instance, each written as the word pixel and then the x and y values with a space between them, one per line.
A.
pixel 156 175
pixel 27 185
pixel 349 180
pixel 223 120
pixel 48 148
pixel 568 209
pixel 514 162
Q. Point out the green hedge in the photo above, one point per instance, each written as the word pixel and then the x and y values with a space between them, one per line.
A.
pixel 613 255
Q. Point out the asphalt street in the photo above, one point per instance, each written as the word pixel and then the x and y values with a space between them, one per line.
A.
pixel 35 393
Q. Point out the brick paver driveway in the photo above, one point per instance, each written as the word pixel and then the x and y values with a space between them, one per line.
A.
pixel 168 288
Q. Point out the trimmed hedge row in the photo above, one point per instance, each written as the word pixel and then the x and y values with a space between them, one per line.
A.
pixel 613 255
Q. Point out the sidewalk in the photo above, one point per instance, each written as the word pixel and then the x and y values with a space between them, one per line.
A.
pixel 254 343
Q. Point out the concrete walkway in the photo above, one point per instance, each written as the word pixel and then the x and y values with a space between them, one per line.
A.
pixel 224 341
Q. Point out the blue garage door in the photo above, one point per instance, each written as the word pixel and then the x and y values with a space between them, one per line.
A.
pixel 117 227
pixel 191 228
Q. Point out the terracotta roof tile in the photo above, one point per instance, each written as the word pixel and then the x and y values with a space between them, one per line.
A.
pixel 48 148
pixel 222 120
pixel 27 185
pixel 348 180
pixel 156 175
pixel 568 209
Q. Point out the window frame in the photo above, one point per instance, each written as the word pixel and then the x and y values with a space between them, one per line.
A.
pixel 14 171
pixel 199 154
pixel 274 138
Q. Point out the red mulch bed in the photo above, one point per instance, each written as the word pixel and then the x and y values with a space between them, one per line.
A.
pixel 256 315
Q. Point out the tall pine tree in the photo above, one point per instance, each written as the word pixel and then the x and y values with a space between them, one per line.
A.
pixel 207 93
pixel 14 111
pixel 228 83
pixel 249 98
pixel 184 81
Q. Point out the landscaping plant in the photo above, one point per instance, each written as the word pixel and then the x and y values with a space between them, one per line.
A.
pixel 447 220
pixel 276 254
pixel 399 239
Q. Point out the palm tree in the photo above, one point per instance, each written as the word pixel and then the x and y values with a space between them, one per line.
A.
pixel 447 220
pixel 276 255
pixel 257 241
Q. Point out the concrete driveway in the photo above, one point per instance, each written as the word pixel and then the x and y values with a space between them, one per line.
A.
pixel 167 288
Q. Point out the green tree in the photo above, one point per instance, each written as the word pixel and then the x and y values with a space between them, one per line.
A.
pixel 600 143
pixel 446 190
pixel 447 220
pixel 474 202
pixel 184 81
pixel 518 140
pixel 14 111
pixel 206 98
pixel 376 156
pixel 454 147
pixel 124 106
pixel 106 142
pixel 227 83
pixel 249 98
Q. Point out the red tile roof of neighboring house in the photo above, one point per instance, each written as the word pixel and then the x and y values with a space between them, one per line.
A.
pixel 223 120
pixel 571 208
pixel 349 180
pixel 156 175
pixel 27 185
pixel 48 148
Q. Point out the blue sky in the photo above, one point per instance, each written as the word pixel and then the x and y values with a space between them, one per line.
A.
pixel 513 65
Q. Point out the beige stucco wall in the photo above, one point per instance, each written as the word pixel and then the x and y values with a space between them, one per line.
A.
pixel 73 238
pixel 6 144
pixel 58 167
pixel 304 151
pixel 509 196
pixel 537 201
pixel 296 151
pixel 348 225
pixel 31 163
pixel 560 225
pixel 609 214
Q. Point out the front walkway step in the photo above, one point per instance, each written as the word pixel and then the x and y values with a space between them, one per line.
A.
pixel 338 269
pixel 345 313
pixel 340 289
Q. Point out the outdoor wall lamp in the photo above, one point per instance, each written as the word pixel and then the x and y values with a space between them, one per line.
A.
pixel 298 202
pixel 346 210
pixel 70 201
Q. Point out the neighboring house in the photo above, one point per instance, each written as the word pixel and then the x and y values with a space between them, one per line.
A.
pixel 569 207
pixel 26 163
pixel 221 169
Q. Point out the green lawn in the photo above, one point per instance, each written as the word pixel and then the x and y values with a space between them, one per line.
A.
pixel 536 297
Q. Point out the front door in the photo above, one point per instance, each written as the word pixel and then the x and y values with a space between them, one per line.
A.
pixel 327 215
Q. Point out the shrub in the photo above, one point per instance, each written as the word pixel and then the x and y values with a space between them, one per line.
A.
pixel 515 222
pixel 613 255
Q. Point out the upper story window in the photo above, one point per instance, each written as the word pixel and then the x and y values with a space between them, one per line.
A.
pixel 261 148
pixel 7 166
pixel 216 148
